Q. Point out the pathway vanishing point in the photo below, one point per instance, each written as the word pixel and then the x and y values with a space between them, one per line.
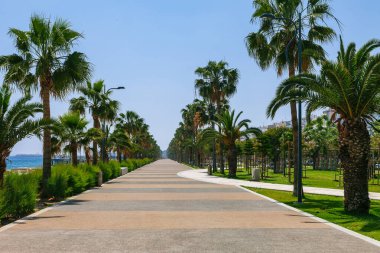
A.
pixel 154 210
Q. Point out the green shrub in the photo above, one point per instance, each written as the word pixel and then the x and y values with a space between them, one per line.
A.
pixel 77 182
pixel 58 182
pixel 133 164
pixel 92 171
pixel 67 180
pixel 106 170
pixel 18 194
pixel 116 168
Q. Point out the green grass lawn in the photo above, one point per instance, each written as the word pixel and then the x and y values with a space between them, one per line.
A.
pixel 315 178
pixel 331 209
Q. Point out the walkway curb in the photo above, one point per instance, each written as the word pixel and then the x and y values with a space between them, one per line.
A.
pixel 201 175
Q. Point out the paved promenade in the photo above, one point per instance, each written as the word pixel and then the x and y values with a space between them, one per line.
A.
pixel 201 175
pixel 154 210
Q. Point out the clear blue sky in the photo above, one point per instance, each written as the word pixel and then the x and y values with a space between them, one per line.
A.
pixel 153 47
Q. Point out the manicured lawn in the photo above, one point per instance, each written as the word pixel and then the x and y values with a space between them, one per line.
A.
pixel 331 208
pixel 315 178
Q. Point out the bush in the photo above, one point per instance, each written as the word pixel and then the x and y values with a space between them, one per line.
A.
pixel 67 180
pixel 116 168
pixel 58 182
pixel 18 194
pixel 78 181
pixel 133 164
pixel 93 172
pixel 106 170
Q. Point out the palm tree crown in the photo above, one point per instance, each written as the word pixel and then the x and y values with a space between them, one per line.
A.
pixel 217 83
pixel 101 106
pixel 276 44
pixel 231 130
pixel 16 123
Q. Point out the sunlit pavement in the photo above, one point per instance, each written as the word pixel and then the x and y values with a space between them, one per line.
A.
pixel 154 210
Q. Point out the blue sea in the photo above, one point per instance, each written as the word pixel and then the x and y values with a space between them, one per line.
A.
pixel 24 161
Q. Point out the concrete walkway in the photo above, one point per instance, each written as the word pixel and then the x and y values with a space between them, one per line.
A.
pixel 201 175
pixel 154 210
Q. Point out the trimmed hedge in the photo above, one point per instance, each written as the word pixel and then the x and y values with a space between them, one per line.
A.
pixel 19 194
pixel 133 164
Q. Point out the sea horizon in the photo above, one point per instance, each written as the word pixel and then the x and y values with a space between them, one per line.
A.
pixel 19 161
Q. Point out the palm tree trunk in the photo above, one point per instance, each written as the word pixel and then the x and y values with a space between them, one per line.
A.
pixel 232 161
pixel 95 143
pixel 221 158
pixel 314 157
pixel 3 167
pixel 46 165
pixel 74 154
pixel 87 154
pixel 293 111
pixel 118 153
pixel 221 146
pixel 125 154
pixel 354 145
pixel 289 161
pixel 214 169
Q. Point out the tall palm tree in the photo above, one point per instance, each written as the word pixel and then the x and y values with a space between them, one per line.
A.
pixel 45 61
pixel 194 116
pixel 16 123
pixel 130 121
pixel 276 44
pixel 216 84
pixel 351 87
pixel 98 101
pixel 119 141
pixel 231 131
pixel 132 124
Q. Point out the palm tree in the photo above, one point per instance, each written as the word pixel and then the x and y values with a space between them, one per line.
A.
pixel 46 61
pixel 351 87
pixel 101 107
pixel 119 141
pixel 16 124
pixel 70 129
pixel 231 130
pixel 276 45
pixel 194 116
pixel 217 83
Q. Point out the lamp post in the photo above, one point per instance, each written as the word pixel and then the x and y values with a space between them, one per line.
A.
pixel 298 35
pixel 104 123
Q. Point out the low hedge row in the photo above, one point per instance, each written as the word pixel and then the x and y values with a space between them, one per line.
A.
pixel 19 193
pixel 133 164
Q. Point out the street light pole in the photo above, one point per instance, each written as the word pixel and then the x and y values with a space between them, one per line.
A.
pixel 104 123
pixel 298 35
pixel 299 182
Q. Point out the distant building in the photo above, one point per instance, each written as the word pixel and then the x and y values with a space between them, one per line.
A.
pixel 329 113
pixel 285 124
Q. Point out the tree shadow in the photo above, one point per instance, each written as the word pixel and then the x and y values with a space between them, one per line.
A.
pixel 72 202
